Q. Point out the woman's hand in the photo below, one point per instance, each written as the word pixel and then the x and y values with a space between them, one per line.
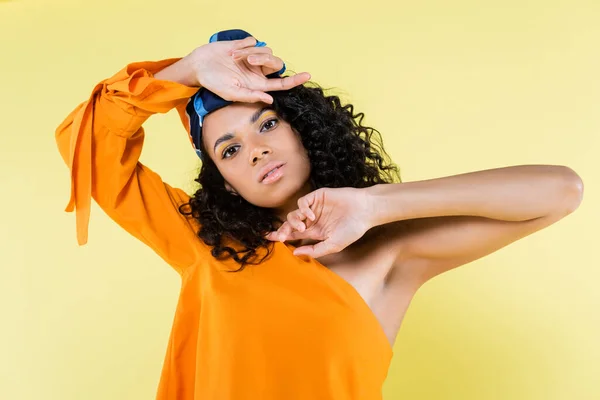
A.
pixel 228 69
pixel 336 217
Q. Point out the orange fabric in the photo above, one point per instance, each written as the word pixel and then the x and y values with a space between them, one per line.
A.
pixel 286 329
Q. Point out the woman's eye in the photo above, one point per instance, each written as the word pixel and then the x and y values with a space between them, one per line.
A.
pixel 270 123
pixel 228 153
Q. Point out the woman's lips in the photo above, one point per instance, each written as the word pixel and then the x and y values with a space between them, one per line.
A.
pixel 274 176
pixel 270 166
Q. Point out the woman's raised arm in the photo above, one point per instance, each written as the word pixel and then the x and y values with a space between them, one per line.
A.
pixel 101 141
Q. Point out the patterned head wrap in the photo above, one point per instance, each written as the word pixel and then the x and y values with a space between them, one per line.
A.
pixel 204 101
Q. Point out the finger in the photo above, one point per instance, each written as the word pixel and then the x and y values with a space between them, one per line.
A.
pixel 317 250
pixel 304 206
pixel 242 43
pixel 266 60
pixel 294 235
pixel 286 83
pixel 272 236
pixel 282 232
pixel 285 232
pixel 295 219
pixel 307 234
pixel 258 57
pixel 245 95
pixel 243 53
pixel 278 236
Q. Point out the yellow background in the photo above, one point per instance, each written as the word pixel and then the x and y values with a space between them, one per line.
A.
pixel 453 86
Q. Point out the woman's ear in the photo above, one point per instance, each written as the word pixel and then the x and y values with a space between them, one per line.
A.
pixel 230 189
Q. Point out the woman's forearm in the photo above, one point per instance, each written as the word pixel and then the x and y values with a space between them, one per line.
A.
pixel 516 193
pixel 182 72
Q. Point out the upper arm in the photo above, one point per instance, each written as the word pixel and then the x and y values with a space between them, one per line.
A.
pixel 101 142
pixel 427 247
pixel 141 203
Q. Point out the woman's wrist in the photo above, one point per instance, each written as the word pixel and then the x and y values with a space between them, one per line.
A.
pixel 182 71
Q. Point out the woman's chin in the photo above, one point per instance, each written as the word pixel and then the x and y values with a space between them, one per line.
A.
pixel 282 198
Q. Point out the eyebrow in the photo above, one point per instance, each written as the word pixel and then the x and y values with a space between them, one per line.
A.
pixel 229 136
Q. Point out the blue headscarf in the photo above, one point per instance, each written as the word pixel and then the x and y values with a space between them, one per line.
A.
pixel 204 101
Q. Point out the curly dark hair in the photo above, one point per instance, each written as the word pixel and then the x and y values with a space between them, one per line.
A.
pixel 342 153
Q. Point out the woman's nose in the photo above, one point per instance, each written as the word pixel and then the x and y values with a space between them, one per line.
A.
pixel 258 153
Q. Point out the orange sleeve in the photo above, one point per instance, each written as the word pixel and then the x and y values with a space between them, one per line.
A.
pixel 101 141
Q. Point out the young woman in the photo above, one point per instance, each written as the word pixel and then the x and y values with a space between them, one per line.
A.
pixel 301 251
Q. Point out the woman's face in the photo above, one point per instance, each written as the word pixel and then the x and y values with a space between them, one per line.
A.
pixel 246 141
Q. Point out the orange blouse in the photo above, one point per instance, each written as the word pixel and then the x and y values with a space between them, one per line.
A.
pixel 289 328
